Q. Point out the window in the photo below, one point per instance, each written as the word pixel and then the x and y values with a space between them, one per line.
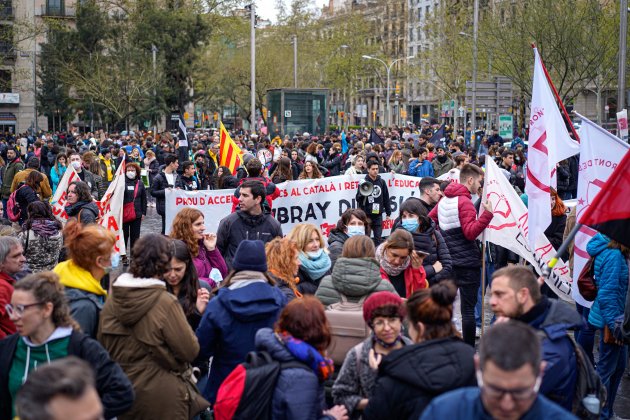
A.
pixel 5 80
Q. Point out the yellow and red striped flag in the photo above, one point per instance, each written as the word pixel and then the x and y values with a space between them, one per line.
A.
pixel 230 154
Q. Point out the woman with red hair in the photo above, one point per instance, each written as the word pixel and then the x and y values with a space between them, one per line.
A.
pixel 301 334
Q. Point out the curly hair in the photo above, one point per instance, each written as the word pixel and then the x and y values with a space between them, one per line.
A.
pixel 45 287
pixel 151 256
pixel 281 261
pixel 182 228
pixel 306 320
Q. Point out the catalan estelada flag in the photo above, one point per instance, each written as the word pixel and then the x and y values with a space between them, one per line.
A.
pixel 230 154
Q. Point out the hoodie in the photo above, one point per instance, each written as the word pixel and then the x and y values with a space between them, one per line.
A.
pixel 411 377
pixel 336 239
pixel 230 322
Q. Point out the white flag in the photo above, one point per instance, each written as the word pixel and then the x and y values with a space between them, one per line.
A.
pixel 600 153
pixel 509 229
pixel 549 143
pixel 110 206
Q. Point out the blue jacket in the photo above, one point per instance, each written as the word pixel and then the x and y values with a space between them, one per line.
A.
pixel 553 318
pixel 611 276
pixel 421 169
pixel 56 178
pixel 465 404
pixel 230 323
pixel 299 394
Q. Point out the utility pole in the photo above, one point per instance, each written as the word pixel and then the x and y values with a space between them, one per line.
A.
pixel 473 120
pixel 154 51
pixel 252 9
pixel 295 61
pixel 623 31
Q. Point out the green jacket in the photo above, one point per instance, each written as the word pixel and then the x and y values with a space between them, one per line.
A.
pixel 9 173
pixel 353 277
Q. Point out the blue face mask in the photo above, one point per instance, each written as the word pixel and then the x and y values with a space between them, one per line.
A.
pixel 315 254
pixel 115 259
pixel 355 230
pixel 411 224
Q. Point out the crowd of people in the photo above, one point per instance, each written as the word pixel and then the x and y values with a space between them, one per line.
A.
pixel 354 325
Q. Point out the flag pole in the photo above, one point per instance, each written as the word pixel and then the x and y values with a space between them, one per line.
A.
pixel 563 248
pixel 483 286
pixel 555 92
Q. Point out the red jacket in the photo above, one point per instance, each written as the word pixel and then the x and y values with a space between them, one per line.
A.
pixel 415 279
pixel 272 191
pixel 6 291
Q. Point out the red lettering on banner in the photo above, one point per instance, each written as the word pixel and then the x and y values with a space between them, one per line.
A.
pixel 111 224
pixel 403 183
pixel 351 185
pixel 545 250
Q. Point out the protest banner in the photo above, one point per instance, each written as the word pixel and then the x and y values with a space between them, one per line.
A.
pixel 317 201
pixel 509 229
pixel 110 206
pixel 600 153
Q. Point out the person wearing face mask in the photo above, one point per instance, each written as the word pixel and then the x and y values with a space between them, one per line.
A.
pixel 84 175
pixel 91 255
pixel 426 239
pixel 352 222
pixel 314 259
pixel 438 362
pixel 136 197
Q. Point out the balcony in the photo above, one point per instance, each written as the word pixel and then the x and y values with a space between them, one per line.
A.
pixel 49 11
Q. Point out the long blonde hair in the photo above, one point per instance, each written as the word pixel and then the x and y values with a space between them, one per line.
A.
pixel 301 235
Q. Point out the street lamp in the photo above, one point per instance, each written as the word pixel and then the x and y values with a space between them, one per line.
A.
pixel 295 60
pixel 389 69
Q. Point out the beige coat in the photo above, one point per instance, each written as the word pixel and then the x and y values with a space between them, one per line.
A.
pixel 145 330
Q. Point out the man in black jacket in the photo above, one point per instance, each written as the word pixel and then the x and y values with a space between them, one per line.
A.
pixel 377 203
pixel 248 222
pixel 187 180
pixel 165 179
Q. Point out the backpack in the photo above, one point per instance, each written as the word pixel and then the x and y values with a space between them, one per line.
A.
pixel 348 328
pixel 248 390
pixel 13 208
pixel 586 281
pixel 589 396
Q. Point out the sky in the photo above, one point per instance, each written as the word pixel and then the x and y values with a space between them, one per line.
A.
pixel 266 9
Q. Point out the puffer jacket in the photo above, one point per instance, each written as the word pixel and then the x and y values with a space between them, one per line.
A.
pixel 354 278
pixel 85 212
pixel 409 378
pixel 432 242
pixel 144 329
pixel 553 318
pixel 611 276
pixel 230 322
pixel 335 245
pixel 299 394
pixel 457 219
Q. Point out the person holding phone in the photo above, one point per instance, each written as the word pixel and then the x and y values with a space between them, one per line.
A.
pixel 189 226
pixel 401 265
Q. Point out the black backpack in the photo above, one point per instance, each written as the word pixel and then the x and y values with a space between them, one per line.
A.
pixel 247 392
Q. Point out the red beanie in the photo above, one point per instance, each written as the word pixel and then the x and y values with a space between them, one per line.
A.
pixel 379 299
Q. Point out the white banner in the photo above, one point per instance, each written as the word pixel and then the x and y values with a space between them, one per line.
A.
pixel 600 153
pixel 110 206
pixel 317 201
pixel 509 229
pixel 622 124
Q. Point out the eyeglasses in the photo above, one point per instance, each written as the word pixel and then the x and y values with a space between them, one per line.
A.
pixel 392 322
pixel 518 394
pixel 18 310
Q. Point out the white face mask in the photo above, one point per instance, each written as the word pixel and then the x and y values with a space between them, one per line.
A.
pixel 131 175
pixel 76 165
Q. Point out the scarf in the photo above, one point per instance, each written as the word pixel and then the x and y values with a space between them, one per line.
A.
pixel 316 267
pixel 390 269
pixel 73 209
pixel 322 366
pixel 45 228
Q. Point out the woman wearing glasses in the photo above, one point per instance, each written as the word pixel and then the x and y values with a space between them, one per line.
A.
pixel 46 332
pixel 440 361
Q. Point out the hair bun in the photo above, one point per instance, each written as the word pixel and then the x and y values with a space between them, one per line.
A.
pixel 444 293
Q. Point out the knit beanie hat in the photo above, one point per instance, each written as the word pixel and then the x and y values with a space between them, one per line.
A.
pixel 250 255
pixel 379 299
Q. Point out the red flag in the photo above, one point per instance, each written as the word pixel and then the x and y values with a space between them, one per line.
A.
pixel 609 212
pixel 230 154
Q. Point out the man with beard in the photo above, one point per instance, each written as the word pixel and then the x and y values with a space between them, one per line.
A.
pixel 516 294
pixel 442 163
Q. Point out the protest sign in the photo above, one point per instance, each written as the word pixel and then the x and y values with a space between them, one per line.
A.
pixel 110 206
pixel 509 229
pixel 317 201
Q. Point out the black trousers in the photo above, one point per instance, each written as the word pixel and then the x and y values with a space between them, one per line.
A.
pixel 468 281
pixel 377 228
pixel 131 232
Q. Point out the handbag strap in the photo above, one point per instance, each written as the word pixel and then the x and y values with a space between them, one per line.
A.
pixel 135 191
